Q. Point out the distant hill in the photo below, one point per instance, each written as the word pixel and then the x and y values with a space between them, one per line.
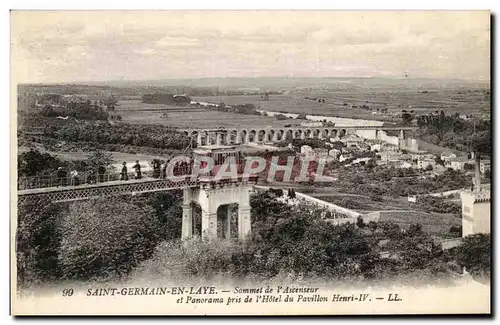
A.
pixel 289 82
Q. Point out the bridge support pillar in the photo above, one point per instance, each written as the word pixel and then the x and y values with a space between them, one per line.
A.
pixel 219 139
pixel 244 222
pixel 187 214
pixel 208 223
pixel 187 221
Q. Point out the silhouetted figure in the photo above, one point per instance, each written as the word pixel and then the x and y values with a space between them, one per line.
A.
pixel 91 177
pixel 75 179
pixel 137 169
pixel 163 169
pixel 156 168
pixel 61 177
pixel 101 171
pixel 124 172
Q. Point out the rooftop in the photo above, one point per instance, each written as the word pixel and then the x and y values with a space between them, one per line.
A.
pixel 482 196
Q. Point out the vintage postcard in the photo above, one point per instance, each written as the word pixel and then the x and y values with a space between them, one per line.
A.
pixel 250 162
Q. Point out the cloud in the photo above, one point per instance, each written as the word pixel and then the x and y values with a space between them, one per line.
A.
pixel 72 46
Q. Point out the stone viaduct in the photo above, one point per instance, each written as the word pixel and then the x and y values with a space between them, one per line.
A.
pixel 230 136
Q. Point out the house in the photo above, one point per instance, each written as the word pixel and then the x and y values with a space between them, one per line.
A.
pixel 421 155
pixel 460 163
pixel 447 155
pixel 334 153
pixel 352 141
pixel 345 156
pixel 306 150
pixel 425 163
pixel 405 165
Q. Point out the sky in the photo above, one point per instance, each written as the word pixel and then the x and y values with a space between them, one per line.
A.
pixel 79 46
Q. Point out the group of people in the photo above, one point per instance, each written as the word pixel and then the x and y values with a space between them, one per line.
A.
pixel 159 171
pixel 74 176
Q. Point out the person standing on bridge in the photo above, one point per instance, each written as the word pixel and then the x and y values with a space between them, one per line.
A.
pixel 137 168
pixel 156 168
pixel 124 173
pixel 75 180
pixel 61 176
pixel 101 171
pixel 163 167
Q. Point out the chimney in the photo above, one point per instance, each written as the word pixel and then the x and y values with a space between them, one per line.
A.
pixel 477 176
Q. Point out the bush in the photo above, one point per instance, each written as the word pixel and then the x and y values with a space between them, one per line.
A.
pixel 37 241
pixel 34 163
pixel 103 238
pixel 475 255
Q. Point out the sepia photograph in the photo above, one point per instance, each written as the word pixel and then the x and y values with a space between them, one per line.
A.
pixel 250 162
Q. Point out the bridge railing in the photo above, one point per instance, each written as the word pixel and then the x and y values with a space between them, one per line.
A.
pixel 48 181
pixel 89 178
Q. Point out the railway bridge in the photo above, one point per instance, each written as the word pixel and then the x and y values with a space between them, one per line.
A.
pixel 229 136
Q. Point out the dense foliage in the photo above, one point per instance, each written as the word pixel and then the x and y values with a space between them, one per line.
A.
pixel 80 111
pixel 451 131
pixel 105 238
pixel 382 180
pixel 475 254
pixel 156 136
pixel 37 241
pixel 35 163
pixel 247 109
pixel 168 99
pixel 298 242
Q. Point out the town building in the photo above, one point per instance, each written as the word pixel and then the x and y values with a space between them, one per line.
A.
pixel 485 166
pixel 460 163
pixel 425 163
pixel 476 208
pixel 447 156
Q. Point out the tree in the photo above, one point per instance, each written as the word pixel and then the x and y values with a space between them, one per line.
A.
pixel 103 238
pixel 360 222
pixel 37 241
pixel 372 225
pixel 415 230
pixel 439 161
pixel 98 159
pixel 429 168
pixel 474 254
pixel 456 231
pixel 407 118
pixel 167 207
pixel 34 163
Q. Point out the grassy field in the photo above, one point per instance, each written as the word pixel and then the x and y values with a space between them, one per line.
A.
pixel 294 103
pixel 397 210
pixel 341 101
pixel 192 118
pixel 432 223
